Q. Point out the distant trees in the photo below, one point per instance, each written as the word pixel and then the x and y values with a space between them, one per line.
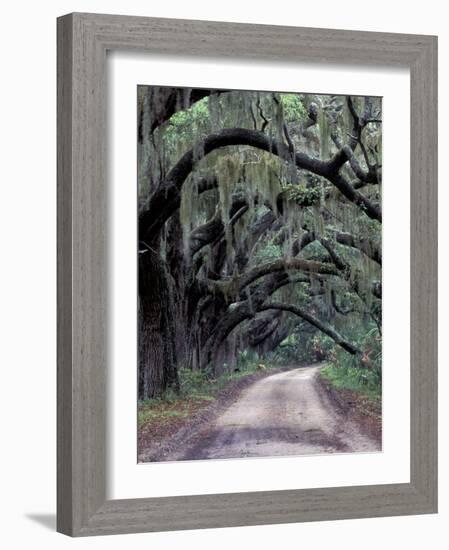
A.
pixel 258 212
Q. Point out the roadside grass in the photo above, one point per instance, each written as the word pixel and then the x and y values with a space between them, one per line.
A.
pixel 357 392
pixel 161 411
pixel 360 381
pixel 196 391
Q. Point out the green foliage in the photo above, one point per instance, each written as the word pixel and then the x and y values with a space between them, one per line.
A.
pixel 293 108
pixel 267 253
pixel 199 384
pixel 193 381
pixel 367 338
pixel 302 194
pixel 315 251
pixel 322 346
pixel 301 347
pixel 157 411
pixel 247 360
pixel 185 127
pixel 347 377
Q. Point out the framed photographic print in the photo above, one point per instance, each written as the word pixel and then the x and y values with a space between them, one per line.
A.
pixel 246 274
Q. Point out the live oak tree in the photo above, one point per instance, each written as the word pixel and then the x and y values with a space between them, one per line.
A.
pixel 259 214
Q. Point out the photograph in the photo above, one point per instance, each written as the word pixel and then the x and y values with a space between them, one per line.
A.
pixel 259 273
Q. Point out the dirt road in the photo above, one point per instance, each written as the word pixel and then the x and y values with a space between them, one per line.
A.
pixel 283 414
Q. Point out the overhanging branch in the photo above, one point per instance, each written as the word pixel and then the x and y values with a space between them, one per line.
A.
pixel 326 329
pixel 164 199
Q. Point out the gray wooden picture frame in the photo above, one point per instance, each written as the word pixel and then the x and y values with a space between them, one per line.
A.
pixel 83 40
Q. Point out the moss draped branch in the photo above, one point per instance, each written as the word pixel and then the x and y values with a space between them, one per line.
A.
pixel 165 199
pixel 323 327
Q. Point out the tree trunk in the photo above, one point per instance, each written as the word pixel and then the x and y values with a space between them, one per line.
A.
pixel 157 351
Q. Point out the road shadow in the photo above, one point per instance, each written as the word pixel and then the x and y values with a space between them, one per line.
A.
pixel 46 520
pixel 284 440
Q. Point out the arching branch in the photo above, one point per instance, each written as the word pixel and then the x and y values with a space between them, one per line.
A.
pixel 344 269
pixel 326 329
pixel 164 200
pixel 261 329
pixel 214 229
pixel 284 265
pixel 369 248
pixel 240 311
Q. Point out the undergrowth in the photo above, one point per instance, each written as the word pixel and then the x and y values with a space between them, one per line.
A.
pixel 196 388
pixel 347 377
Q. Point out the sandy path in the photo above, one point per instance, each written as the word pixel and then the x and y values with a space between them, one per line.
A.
pixel 282 414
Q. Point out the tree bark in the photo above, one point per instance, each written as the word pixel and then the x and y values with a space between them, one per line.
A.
pixel 157 351
pixel 326 329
